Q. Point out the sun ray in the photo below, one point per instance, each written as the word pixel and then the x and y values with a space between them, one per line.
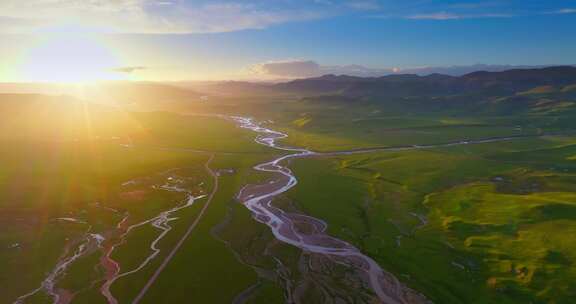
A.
pixel 70 57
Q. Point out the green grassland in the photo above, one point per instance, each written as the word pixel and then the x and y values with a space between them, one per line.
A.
pixel 76 168
pixel 163 129
pixel 204 269
pixel 339 125
pixel 486 223
pixel 495 223
pixel 418 212
pixel 38 187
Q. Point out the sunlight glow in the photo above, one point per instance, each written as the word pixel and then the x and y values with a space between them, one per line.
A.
pixel 70 57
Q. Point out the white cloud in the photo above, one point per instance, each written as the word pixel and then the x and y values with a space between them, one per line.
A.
pixel 287 68
pixel 195 16
pixel 435 16
pixel 129 69
pixel 364 5
pixel 144 16
pixel 356 70
pixel 457 70
pixel 476 5
pixel 566 11
pixel 310 68
pixel 454 16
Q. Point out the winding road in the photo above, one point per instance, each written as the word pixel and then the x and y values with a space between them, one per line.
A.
pixel 193 225
pixel 160 222
pixel 258 199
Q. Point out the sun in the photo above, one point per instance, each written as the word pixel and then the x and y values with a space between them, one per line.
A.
pixel 69 57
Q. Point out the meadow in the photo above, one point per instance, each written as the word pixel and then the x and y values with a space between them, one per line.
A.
pixel 466 224
pixel 99 170
pixel 473 223
pixel 337 125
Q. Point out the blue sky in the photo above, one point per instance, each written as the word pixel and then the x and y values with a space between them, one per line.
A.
pixel 178 40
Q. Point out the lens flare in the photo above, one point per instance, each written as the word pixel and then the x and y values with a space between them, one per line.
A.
pixel 69 57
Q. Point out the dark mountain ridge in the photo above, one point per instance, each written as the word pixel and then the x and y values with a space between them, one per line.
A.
pixel 404 85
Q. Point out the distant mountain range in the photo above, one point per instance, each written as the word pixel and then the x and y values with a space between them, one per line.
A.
pixel 406 85
pixel 516 83
pixel 540 90
pixel 535 92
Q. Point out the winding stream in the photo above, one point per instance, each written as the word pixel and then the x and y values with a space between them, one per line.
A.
pixel 258 199
pixel 160 222
pixel 48 285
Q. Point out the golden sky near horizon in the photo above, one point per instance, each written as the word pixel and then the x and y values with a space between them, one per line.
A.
pixel 182 40
pixel 68 57
pixel 76 56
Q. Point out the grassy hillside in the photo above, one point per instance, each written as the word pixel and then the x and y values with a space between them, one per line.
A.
pixel 460 224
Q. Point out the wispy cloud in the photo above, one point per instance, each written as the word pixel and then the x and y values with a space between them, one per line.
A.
pixel 295 68
pixel 149 16
pixel 204 16
pixel 286 69
pixel 435 16
pixel 566 11
pixel 476 5
pixel 129 69
pixel 364 5
pixel 455 16
pixel 482 9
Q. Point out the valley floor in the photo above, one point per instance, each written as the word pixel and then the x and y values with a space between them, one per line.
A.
pixel 462 212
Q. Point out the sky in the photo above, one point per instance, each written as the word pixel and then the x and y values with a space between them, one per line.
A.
pixel 179 40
